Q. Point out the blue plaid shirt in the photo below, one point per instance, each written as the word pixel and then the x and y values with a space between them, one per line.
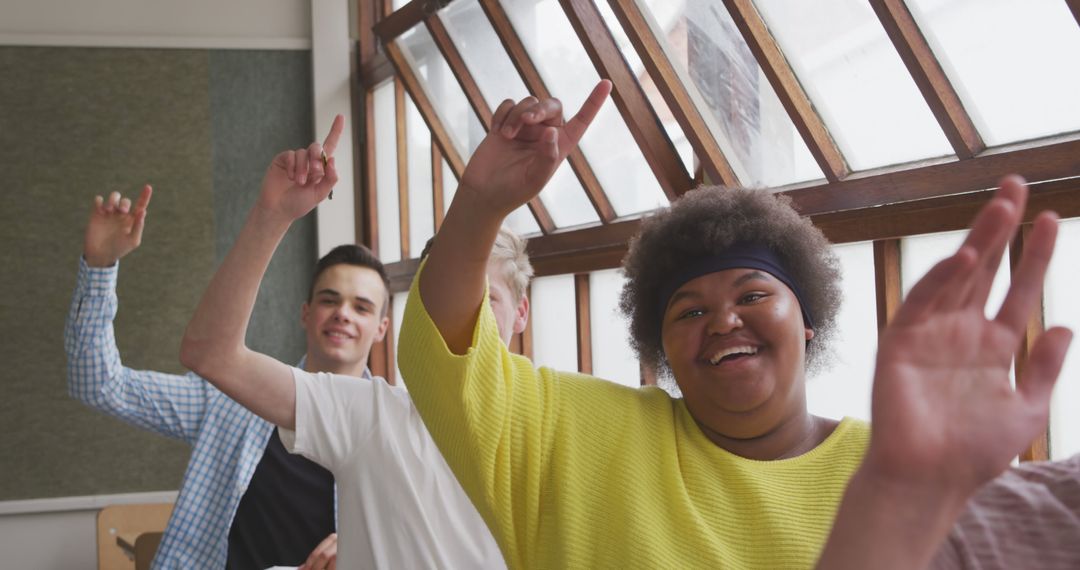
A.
pixel 228 440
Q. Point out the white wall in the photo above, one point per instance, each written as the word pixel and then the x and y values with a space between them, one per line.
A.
pixel 331 54
pixel 248 24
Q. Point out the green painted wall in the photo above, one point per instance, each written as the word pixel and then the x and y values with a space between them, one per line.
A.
pixel 201 126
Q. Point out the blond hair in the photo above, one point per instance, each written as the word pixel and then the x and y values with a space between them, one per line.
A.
pixel 512 262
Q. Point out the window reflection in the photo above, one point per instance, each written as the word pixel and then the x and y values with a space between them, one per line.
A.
pixel 744 113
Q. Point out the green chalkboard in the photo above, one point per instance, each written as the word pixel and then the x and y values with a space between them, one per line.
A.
pixel 201 126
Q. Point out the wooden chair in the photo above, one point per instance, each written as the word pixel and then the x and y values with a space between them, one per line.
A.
pixel 129 534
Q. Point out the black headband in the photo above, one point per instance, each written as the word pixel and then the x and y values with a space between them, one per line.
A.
pixel 738 256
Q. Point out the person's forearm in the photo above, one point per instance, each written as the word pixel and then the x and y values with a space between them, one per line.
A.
pixel 889 525
pixel 452 283
pixel 215 336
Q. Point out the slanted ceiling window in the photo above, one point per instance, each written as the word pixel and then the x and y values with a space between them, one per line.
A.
pixel 881 119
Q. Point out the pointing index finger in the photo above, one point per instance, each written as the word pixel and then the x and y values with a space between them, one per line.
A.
pixel 576 126
pixel 331 142
pixel 144 198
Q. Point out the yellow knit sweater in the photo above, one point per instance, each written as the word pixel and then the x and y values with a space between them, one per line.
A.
pixel 570 471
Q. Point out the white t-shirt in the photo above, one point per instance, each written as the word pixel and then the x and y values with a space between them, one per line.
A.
pixel 399 505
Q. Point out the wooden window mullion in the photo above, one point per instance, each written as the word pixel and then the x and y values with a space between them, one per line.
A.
pixel 887 281
pixel 368 204
pixel 479 104
pixel 402 168
pixel 500 21
pixel 437 182
pixel 672 84
pixel 788 89
pixel 925 69
pixel 423 103
pixel 637 112
pixel 584 324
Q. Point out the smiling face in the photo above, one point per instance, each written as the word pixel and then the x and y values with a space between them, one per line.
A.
pixel 343 319
pixel 736 344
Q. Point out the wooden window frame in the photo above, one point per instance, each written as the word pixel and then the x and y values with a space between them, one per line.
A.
pixel 530 75
pixel 636 110
pixel 476 100
pixel 924 68
pixel 776 68
pixel 880 205
pixel 684 103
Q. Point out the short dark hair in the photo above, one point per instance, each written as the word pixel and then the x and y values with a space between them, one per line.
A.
pixel 708 221
pixel 351 254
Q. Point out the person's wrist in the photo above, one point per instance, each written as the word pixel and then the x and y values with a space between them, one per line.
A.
pixel 263 214
pixel 924 498
pixel 94 260
pixel 479 206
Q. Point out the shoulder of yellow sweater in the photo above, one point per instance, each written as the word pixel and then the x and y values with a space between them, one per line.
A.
pixel 596 395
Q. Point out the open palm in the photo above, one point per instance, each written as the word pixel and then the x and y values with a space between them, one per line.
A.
pixel 943 408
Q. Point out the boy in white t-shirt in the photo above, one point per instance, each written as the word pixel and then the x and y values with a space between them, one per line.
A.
pixel 399 504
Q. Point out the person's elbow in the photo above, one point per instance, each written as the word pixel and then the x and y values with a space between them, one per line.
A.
pixel 208 358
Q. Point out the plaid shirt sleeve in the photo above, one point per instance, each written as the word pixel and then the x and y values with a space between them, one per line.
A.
pixel 169 404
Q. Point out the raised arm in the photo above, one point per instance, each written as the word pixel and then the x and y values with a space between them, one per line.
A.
pixel 170 404
pixel 946 419
pixel 213 344
pixel 527 142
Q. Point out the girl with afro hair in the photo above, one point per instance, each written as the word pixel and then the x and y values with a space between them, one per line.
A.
pixel 734 296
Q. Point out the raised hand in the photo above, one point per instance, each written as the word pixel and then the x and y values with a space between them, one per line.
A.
pixel 944 412
pixel 297 180
pixel 946 419
pixel 525 145
pixel 115 228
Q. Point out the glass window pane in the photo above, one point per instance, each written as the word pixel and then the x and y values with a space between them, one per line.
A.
pixel 1063 309
pixel 386 178
pixel 479 45
pixel 667 119
pixel 421 213
pixel 522 222
pixel 1016 89
pixel 554 325
pixel 744 114
pixel 843 388
pixel 563 196
pixel 855 77
pixel 569 75
pixel 398 314
pixel 920 253
pixel 498 80
pixel 613 358
pixel 442 89
pixel 566 201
